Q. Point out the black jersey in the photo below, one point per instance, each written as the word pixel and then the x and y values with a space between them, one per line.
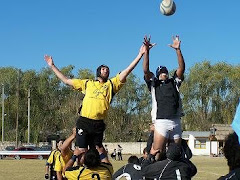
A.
pixel 166 103
pixel 233 175
pixel 168 169
pixel 129 171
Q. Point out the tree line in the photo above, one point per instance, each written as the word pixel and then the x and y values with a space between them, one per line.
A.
pixel 210 94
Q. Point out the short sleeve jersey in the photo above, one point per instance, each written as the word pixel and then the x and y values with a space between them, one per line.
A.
pixel 165 97
pixel 103 172
pixel 129 171
pixel 62 161
pixel 53 156
pixel 98 96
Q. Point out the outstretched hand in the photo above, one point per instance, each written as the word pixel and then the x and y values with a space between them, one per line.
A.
pixel 49 60
pixel 176 42
pixel 148 45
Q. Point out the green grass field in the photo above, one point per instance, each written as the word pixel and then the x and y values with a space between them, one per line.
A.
pixel 209 168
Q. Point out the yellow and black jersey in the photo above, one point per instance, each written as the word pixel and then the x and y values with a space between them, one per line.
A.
pixel 61 161
pixel 98 96
pixel 53 156
pixel 51 161
pixel 102 172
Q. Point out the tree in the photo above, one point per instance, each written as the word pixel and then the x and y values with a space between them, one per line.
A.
pixel 127 117
pixel 210 93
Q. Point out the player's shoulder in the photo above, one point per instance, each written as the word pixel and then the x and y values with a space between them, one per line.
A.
pixel 104 164
pixel 233 175
pixel 107 166
pixel 55 152
pixel 135 167
pixel 74 168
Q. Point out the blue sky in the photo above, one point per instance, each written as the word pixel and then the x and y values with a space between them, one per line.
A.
pixel 89 33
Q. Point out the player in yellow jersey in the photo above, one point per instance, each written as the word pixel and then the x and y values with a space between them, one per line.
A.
pixel 98 95
pixel 95 166
pixel 51 161
pixel 64 156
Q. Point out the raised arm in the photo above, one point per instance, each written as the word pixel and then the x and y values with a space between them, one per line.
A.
pixel 181 63
pixel 147 73
pixel 123 75
pixel 67 143
pixel 58 73
pixel 77 154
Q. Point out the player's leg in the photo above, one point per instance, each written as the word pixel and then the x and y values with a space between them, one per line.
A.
pixel 160 135
pixel 158 146
pixel 175 135
pixel 82 127
pixel 97 133
pixel 162 130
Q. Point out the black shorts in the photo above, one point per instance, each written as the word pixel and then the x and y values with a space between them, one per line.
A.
pixel 53 175
pixel 89 132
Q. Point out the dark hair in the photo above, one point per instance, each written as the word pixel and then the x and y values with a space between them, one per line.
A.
pixel 98 73
pixel 134 160
pixel 174 151
pixel 232 151
pixel 92 158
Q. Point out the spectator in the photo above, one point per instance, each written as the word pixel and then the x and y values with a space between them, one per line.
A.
pixel 119 153
pixel 114 154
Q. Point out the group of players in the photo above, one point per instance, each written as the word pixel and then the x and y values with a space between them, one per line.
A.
pixel 166 155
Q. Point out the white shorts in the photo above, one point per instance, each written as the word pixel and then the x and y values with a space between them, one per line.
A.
pixel 169 128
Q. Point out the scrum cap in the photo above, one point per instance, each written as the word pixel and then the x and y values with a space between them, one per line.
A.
pixel 161 69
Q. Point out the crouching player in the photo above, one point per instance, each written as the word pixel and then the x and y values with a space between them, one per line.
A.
pixel 95 165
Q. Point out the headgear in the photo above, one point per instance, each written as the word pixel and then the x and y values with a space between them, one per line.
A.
pixel 161 69
pixel 174 151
